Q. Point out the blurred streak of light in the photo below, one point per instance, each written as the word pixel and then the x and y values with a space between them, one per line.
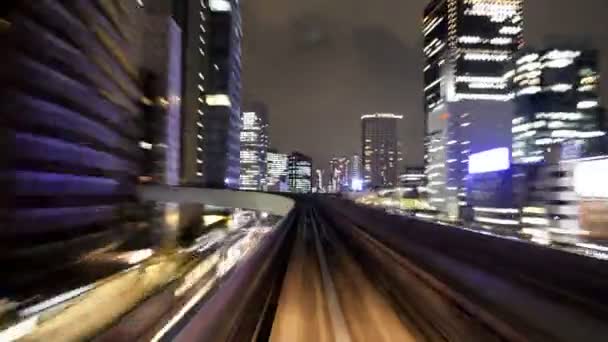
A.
pixel 232 257
pixel 212 219
pixel 172 216
pixel 541 241
pixel 101 251
pixel 208 240
pixel 109 299
pixel 197 273
pixel 136 257
pixel 37 308
pixel 20 329
pixel 569 232
pixel 593 247
pixel 184 310
pixel 241 249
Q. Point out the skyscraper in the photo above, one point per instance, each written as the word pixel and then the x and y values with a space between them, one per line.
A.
pixel 356 174
pixel 276 170
pixel 339 174
pixel 299 173
pixel 318 185
pixel 381 155
pixel 468 46
pixel 254 147
pixel 211 113
pixel 162 76
pixel 557 99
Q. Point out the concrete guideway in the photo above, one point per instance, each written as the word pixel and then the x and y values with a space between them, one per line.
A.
pixel 326 296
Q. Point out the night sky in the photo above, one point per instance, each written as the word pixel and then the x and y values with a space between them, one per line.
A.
pixel 320 64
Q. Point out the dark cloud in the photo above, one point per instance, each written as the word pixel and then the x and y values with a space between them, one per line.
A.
pixel 320 64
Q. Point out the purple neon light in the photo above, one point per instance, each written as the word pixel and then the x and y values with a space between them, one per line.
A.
pixel 497 159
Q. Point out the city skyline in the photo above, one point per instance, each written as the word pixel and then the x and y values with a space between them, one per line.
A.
pixel 364 82
pixel 142 184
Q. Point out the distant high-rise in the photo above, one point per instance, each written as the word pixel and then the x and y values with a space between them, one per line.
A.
pixel 468 47
pixel 276 170
pixel 381 155
pixel 299 173
pixel 356 173
pixel 212 92
pixel 318 185
pixel 254 147
pixel 557 99
pixel 339 174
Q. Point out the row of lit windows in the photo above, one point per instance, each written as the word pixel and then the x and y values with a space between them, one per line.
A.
pixel 201 87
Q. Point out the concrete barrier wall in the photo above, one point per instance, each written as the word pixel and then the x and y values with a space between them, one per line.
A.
pixel 273 204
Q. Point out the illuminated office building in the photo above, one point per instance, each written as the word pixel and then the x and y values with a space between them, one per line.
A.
pixel 254 147
pixel 565 198
pixel 356 173
pixel 380 149
pixel 412 177
pixel 339 174
pixel 299 173
pixel 276 171
pixel 556 98
pixel 468 47
pixel 318 186
pixel 212 87
pixel 161 74
pixel 491 195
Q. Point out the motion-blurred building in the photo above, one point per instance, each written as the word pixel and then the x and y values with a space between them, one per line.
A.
pixel 276 171
pixel 161 73
pixel 491 195
pixel 212 92
pixel 254 148
pixel 380 149
pixel 70 133
pixel 558 125
pixel 565 198
pixel 468 46
pixel 299 173
pixel 412 177
pixel 557 99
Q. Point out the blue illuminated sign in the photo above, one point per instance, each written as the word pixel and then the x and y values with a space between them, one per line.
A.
pixel 497 159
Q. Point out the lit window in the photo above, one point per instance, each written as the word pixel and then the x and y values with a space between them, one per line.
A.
pixel 218 100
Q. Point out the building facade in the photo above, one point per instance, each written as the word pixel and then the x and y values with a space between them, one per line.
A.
pixel 161 74
pixel 69 153
pixel 254 148
pixel 556 98
pixel 299 173
pixel 468 46
pixel 276 171
pixel 566 198
pixel 339 174
pixel 356 173
pixel 412 177
pixel 380 149
pixel 212 92
pixel 317 184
